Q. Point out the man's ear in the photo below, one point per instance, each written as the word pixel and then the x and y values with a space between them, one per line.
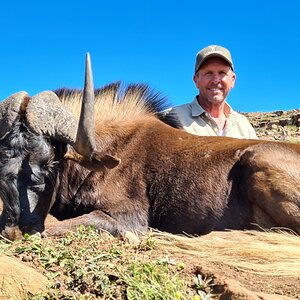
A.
pixel 233 80
pixel 195 79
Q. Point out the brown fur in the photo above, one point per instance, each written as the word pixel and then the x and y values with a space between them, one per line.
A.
pixel 175 181
pixel 145 173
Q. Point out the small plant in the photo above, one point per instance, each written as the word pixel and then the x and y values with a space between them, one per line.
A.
pixel 148 243
pixel 203 287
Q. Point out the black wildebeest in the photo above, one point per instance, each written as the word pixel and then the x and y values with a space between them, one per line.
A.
pixel 126 170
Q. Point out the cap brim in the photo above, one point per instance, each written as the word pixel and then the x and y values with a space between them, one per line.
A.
pixel 215 55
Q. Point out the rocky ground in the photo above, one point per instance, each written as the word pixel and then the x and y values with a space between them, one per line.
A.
pixel 277 125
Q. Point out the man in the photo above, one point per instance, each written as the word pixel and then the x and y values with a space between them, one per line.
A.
pixel 209 113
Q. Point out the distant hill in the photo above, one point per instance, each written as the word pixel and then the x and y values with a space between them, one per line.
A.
pixel 277 125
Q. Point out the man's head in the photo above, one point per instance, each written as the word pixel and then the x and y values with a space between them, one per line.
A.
pixel 214 76
pixel 212 51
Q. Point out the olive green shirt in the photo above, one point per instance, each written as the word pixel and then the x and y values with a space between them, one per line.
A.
pixel 197 121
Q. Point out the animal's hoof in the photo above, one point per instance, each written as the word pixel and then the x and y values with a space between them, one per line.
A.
pixel 131 238
pixel 11 233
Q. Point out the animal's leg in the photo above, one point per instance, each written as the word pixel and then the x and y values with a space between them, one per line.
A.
pixel 271 181
pixel 97 218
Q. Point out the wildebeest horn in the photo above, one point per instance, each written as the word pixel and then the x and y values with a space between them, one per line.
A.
pixel 10 110
pixel 85 139
pixel 46 115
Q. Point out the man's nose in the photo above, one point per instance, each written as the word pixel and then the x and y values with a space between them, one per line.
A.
pixel 216 78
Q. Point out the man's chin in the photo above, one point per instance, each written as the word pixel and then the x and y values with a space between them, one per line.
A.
pixel 216 100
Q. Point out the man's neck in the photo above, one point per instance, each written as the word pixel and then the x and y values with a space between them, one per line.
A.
pixel 218 112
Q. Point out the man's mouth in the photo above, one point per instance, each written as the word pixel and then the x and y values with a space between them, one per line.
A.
pixel 215 90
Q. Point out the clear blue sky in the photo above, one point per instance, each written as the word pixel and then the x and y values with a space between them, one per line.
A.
pixel 43 46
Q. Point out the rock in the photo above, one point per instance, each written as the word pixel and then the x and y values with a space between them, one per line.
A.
pixel 278 125
pixel 278 112
pixel 273 126
pixel 17 279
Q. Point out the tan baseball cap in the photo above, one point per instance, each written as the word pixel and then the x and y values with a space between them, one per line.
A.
pixel 212 51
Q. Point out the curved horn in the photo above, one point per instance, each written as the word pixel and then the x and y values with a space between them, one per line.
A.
pixel 10 110
pixel 47 115
pixel 85 139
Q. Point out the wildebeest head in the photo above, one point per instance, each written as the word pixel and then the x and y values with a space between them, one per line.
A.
pixel 35 134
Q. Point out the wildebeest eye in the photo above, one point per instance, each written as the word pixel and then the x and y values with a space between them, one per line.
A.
pixel 37 179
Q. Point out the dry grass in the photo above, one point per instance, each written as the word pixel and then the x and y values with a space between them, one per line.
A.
pixel 269 253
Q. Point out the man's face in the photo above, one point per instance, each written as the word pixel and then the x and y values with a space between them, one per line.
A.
pixel 214 80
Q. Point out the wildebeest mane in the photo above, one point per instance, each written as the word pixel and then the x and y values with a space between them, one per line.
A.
pixel 121 103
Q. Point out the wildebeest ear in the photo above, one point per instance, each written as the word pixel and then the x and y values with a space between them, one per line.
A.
pixel 107 160
pixel 96 162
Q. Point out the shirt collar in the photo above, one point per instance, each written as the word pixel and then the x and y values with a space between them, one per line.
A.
pixel 197 109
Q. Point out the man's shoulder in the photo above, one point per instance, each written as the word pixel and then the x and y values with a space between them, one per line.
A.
pixel 238 115
pixel 241 123
pixel 183 112
pixel 182 107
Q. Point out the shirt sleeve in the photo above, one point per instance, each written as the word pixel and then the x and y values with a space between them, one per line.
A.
pixel 252 133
